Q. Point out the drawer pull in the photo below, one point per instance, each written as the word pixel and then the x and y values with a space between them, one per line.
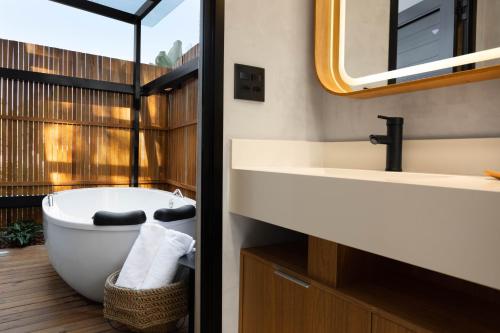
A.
pixel 292 279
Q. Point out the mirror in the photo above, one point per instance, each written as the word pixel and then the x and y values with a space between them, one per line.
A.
pixel 383 43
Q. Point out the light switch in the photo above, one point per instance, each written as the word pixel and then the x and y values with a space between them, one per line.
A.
pixel 249 83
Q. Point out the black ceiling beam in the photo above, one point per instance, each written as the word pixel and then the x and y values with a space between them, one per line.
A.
pixel 21 201
pixel 66 81
pixel 96 8
pixel 146 8
pixel 171 79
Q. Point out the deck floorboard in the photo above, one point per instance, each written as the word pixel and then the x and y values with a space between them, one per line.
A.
pixel 33 298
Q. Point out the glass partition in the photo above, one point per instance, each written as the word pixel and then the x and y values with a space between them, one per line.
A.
pixel 170 35
pixel 129 6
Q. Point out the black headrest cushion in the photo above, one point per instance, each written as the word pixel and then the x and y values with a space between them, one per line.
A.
pixel 128 218
pixel 175 214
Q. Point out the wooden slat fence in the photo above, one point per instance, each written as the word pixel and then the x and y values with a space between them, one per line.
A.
pixel 54 138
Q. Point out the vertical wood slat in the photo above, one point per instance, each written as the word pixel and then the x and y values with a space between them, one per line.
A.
pixel 38 156
pixel 178 167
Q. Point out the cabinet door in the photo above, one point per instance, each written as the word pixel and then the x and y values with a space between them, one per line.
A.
pixel 328 313
pixel 256 308
pixel 382 325
pixel 290 307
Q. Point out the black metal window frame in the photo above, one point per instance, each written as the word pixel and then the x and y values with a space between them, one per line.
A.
pixel 465 16
pixel 210 166
pixel 210 67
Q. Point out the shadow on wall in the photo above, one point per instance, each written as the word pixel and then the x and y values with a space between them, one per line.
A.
pixel 58 138
pixel 252 233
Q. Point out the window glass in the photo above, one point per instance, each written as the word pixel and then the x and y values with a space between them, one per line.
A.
pixel 170 31
pixel 130 6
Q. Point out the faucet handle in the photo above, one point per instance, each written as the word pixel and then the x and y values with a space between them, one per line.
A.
pixel 392 120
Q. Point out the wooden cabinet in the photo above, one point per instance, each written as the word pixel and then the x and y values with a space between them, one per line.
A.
pixel 257 291
pixel 329 313
pixel 287 291
pixel 272 301
pixel 383 325
pixel 290 306
pixel 277 301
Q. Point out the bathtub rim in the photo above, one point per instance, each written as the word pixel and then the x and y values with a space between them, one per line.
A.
pixel 52 214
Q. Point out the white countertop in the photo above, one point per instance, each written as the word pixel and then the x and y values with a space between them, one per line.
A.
pixel 442 222
pixel 474 183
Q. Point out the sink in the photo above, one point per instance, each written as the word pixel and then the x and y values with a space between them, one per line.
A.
pixel 443 222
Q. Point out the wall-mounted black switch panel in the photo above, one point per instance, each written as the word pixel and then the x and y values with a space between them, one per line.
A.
pixel 249 83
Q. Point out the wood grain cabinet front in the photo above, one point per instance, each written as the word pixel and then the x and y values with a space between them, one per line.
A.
pixel 329 313
pixel 283 291
pixel 256 296
pixel 274 300
pixel 290 308
pixel 383 325
pixel 271 300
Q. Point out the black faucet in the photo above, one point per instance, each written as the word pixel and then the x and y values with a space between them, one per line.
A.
pixel 394 142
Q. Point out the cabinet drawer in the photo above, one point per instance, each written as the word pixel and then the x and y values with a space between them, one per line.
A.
pixel 290 307
pixel 257 296
pixel 328 313
pixel 382 325
pixel 277 301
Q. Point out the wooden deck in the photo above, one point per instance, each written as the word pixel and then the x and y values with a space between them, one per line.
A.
pixel 33 298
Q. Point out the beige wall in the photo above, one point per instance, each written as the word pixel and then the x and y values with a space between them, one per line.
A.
pixel 367 37
pixel 487 27
pixel 471 110
pixel 278 35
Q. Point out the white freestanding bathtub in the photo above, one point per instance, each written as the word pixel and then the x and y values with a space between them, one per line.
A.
pixel 84 254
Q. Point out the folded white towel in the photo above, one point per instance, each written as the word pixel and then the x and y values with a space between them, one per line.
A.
pixel 152 261
pixel 141 256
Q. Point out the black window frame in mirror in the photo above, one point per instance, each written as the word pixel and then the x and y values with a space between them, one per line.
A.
pixel 464 32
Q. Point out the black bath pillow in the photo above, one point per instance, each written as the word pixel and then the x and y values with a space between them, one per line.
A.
pixel 175 214
pixel 128 218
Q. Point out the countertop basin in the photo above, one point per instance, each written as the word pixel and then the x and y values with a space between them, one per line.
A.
pixel 446 223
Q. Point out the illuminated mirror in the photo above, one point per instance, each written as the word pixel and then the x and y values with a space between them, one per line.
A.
pixel 384 45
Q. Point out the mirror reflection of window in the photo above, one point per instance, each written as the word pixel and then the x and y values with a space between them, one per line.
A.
pixel 405 4
pixel 382 35
pixel 423 31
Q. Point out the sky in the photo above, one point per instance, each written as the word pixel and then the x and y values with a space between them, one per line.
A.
pixel 48 23
pixel 405 4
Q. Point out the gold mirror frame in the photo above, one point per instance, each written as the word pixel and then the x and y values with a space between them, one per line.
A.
pixel 326 54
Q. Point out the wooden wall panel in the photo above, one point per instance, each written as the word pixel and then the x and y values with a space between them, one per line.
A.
pixel 54 138
pixel 177 127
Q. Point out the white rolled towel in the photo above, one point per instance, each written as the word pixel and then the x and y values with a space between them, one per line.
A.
pixel 152 261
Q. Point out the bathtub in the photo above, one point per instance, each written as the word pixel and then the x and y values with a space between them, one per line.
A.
pixel 84 254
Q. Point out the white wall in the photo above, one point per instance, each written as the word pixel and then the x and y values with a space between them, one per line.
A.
pixel 466 111
pixel 278 35
pixel 367 38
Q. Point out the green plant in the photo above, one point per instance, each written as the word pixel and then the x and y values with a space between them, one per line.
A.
pixel 21 233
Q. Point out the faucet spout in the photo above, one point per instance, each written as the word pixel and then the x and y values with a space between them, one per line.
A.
pixel 50 199
pixel 379 139
pixel 394 142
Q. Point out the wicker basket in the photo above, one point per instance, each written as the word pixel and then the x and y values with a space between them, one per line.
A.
pixel 148 311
